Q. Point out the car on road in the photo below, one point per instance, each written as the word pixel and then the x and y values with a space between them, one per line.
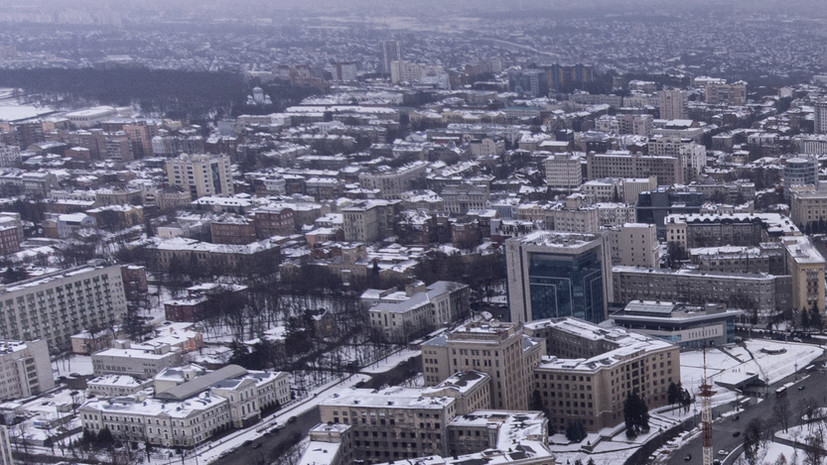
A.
pixel 687 457
pixel 801 388
pixel 722 452
pixel 736 418
pixel 736 434
pixel 716 462
pixel 257 445
pixel 279 427
pixel 291 420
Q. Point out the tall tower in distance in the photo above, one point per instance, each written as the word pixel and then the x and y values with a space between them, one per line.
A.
pixel 821 117
pixel 672 104
pixel 391 51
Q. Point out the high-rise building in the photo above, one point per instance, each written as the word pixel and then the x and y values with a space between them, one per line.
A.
pixel 821 118
pixel 391 51
pixel 800 171
pixel 553 274
pixel 57 305
pixel 203 175
pixel 498 349
pixel 564 171
pixel 672 104
pixel 529 82
pixel 636 244
pixel 345 71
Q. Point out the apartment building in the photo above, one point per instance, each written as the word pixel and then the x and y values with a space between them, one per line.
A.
pixel 403 315
pixel 672 104
pixel 458 199
pixel 368 220
pixel 736 229
pixel 590 370
pixel 691 154
pixel 235 229
pixel 555 274
pixel 392 182
pixel 25 369
pixel 564 171
pixel 768 294
pixel 203 175
pixel 636 244
pixel 617 163
pixel 273 221
pixel 224 258
pixel 497 348
pixel 57 305
pixel 718 93
pixel 808 207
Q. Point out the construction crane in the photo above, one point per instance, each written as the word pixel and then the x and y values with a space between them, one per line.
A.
pixel 706 394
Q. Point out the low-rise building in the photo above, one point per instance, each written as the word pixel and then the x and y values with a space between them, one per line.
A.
pixel 690 327
pixel 403 316
pixel 141 363
pixel 116 385
pixel 191 412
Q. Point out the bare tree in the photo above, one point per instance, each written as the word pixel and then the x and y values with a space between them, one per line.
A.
pixel 781 412
pixel 814 450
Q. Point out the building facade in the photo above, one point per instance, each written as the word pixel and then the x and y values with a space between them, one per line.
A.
pixel 55 306
pixel 498 349
pixel 203 175
pixel 553 274
pixel 25 369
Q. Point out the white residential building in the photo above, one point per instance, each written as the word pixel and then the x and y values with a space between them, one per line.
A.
pixel 57 305
pixel 25 369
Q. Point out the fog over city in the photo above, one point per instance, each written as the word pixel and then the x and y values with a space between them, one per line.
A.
pixel 430 232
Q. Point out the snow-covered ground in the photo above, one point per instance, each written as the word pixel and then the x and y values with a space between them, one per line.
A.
pixel 390 362
pixel 771 365
pixel 79 364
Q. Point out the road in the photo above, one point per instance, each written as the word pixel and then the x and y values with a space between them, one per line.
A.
pixel 815 387
pixel 271 442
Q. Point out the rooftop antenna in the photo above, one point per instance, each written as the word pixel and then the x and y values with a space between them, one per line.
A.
pixel 706 394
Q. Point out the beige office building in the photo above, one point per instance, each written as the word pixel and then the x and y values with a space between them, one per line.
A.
pixel 497 348
pixel 593 369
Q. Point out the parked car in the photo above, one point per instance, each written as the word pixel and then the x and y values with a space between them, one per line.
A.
pixel 736 434
pixel 722 452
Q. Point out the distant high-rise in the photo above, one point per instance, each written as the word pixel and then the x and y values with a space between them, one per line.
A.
pixel 391 51
pixel 201 174
pixel 821 118
pixel 672 104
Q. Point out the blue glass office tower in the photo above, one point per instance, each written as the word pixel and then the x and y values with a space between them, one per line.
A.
pixel 554 274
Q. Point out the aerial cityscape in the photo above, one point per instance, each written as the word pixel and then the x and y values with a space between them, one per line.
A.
pixel 457 232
